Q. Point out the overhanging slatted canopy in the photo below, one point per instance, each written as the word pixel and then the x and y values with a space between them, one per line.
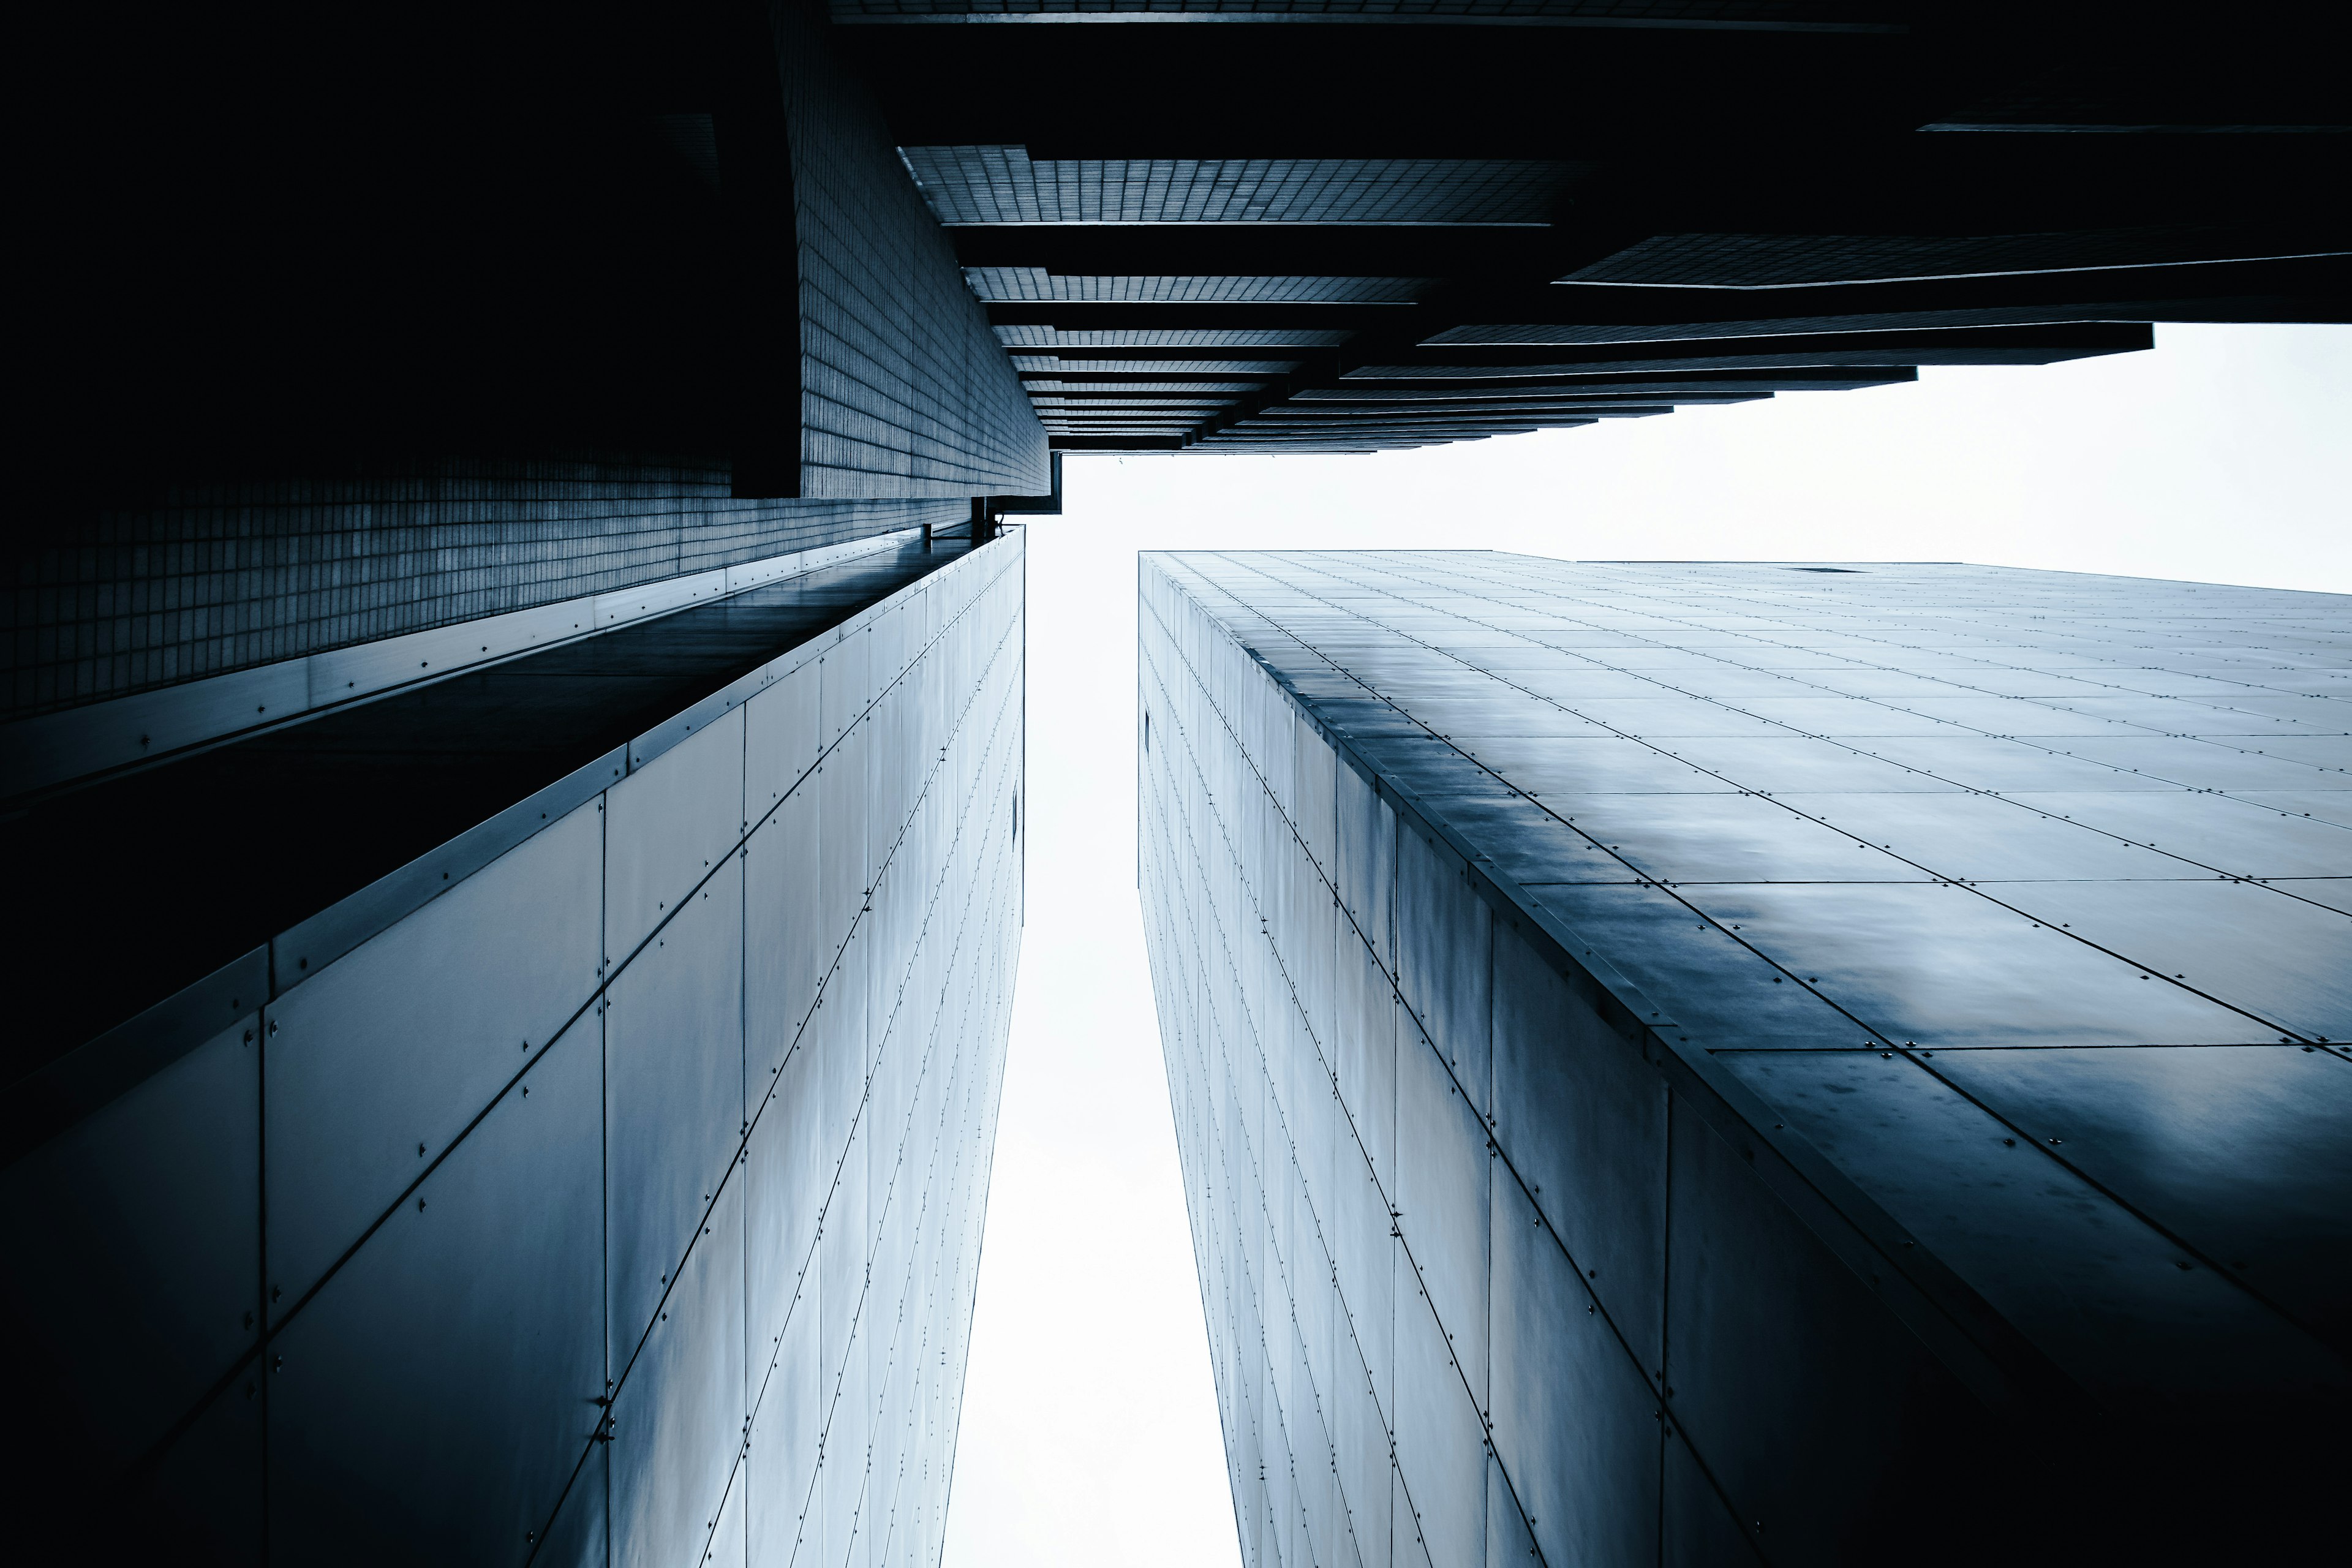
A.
pixel 1320 225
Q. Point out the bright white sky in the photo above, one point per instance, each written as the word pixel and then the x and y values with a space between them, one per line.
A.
pixel 1090 1431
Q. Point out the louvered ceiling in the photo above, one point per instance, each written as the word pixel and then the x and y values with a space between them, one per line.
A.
pixel 1351 226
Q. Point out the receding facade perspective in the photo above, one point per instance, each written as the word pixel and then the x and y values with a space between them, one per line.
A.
pixel 511 745
pixel 1753 1063
pixel 605 1178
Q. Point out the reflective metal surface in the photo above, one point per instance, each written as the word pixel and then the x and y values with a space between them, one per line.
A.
pixel 621 1203
pixel 234 846
pixel 1895 1026
pixel 371 1075
pixel 130 1252
pixel 433 1399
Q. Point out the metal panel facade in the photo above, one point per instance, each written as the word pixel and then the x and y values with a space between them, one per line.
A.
pixel 620 1204
pixel 1713 1063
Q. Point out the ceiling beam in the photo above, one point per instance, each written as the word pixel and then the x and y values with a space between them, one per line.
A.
pixel 1153 315
pixel 1252 250
pixel 2269 288
pixel 2299 289
pixel 1503 380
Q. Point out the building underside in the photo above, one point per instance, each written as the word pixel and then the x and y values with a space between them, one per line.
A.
pixel 1281 228
pixel 488 466
pixel 1184 225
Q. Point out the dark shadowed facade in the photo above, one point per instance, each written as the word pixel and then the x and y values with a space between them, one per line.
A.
pixel 1710 1064
pixel 1327 224
pixel 510 749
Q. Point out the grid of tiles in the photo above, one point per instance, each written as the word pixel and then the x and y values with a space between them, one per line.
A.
pixel 1036 283
pixel 1240 338
pixel 1663 1036
pixel 225 579
pixel 1142 384
pixel 904 391
pixel 686 1278
pixel 1050 362
pixel 1004 184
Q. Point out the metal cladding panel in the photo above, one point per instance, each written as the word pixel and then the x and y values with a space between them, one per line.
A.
pixel 841 1472
pixel 781 739
pixel 785 945
pixel 842 1237
pixel 1441 1455
pixel 208 1492
pixel 410 1421
pixel 132 1251
pixel 1361 1443
pixel 1574 1423
pixel 1441 1197
pixel 1364 1250
pixel 2165 1132
pixel 844 800
pixel 780 1464
pixel 1723 988
pixel 787 1175
pixel 1695 1525
pixel 1942 966
pixel 1509 1537
pixel 370 1076
pixel 581 1535
pixel 845 683
pixel 667 827
pixel 728 1542
pixel 625 1210
pixel 673 1065
pixel 1444 963
pixel 1810 1404
pixel 1906 1007
pixel 2277 962
pixel 678 1418
pixel 1364 850
pixel 1364 1053
pixel 2109 1300
pixel 1585 1118
pixel 2262 835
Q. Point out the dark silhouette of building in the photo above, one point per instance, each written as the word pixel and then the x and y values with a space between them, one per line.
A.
pixel 1278 226
pixel 443 425
pixel 357 324
pixel 1719 1064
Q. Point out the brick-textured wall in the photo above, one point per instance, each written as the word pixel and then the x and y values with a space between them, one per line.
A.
pixel 908 403
pixel 1004 184
pixel 224 578
pixel 904 389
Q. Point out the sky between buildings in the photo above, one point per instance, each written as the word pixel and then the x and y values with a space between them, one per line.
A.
pixel 1090 1430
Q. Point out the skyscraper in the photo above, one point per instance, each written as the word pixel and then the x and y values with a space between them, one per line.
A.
pixel 558 1126
pixel 448 420
pixel 1718 1063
